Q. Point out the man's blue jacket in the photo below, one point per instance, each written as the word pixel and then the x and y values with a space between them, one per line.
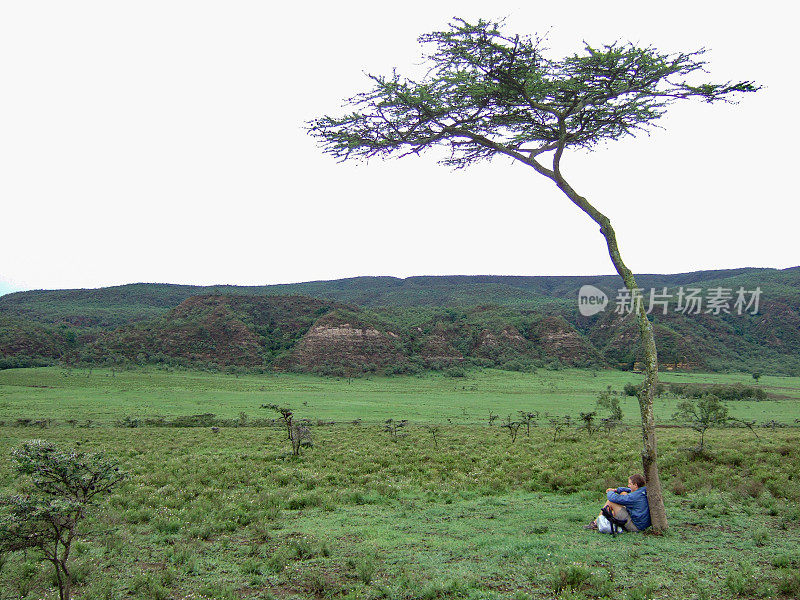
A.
pixel 635 502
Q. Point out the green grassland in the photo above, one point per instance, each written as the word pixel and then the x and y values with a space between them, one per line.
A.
pixel 363 515
pixel 105 396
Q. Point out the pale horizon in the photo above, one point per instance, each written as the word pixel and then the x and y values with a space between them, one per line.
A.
pixel 185 160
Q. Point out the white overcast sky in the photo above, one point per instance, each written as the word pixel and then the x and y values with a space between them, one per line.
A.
pixel 163 141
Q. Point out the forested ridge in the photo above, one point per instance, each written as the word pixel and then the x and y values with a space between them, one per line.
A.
pixel 391 325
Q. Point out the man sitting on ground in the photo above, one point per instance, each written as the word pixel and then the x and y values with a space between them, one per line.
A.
pixel 629 504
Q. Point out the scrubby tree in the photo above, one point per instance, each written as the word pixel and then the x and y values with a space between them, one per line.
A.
pixel 631 389
pixel 528 419
pixel 299 435
pixel 64 484
pixel 434 431
pixel 703 414
pixel 490 94
pixel 609 423
pixel 588 422
pixel 749 423
pixel 608 401
pixel 559 424
pixel 513 428
pixel 393 427
pixel 286 415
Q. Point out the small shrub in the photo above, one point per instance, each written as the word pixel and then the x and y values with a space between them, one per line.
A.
pixel 191 566
pixel 101 588
pixel 357 498
pixel 761 537
pixel 570 578
pixel 316 583
pixel 364 568
pixel 703 593
pixel 277 562
pixel 305 501
pixel 146 586
pixel 646 591
pixel 303 548
pixel 251 566
pixel 752 488
pixel 783 561
pixel 540 529
pixel 22 576
pixel 437 589
pixel 741 581
pixel 608 400
pixel 631 389
pixel 455 372
pixel 789 583
pixel 168 526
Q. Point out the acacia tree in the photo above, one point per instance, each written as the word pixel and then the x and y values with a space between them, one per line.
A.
pixel 703 414
pixel 490 94
pixel 65 483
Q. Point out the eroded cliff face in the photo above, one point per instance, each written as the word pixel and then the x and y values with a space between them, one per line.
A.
pixel 508 338
pixel 558 338
pixel 215 330
pixel 617 337
pixel 311 335
pixel 436 346
pixel 334 342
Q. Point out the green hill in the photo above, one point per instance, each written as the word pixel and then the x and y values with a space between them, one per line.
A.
pixel 395 325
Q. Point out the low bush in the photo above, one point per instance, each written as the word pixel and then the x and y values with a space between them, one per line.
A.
pixel 789 583
pixel 733 391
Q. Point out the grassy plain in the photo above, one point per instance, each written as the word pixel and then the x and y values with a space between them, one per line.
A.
pixel 105 396
pixel 364 516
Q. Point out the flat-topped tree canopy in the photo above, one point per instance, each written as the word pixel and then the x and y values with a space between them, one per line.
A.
pixel 487 93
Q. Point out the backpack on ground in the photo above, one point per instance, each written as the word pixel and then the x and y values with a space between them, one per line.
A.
pixel 608 523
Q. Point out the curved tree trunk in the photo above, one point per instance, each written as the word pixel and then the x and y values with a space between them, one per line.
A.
pixel 649 449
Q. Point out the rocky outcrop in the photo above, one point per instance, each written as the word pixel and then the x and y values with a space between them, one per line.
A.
pixel 617 337
pixel 215 330
pixel 437 348
pixel 338 343
pixel 504 345
pixel 558 338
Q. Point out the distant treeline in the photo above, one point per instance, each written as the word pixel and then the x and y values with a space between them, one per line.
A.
pixel 726 392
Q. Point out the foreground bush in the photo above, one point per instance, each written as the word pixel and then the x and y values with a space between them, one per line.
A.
pixel 64 483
